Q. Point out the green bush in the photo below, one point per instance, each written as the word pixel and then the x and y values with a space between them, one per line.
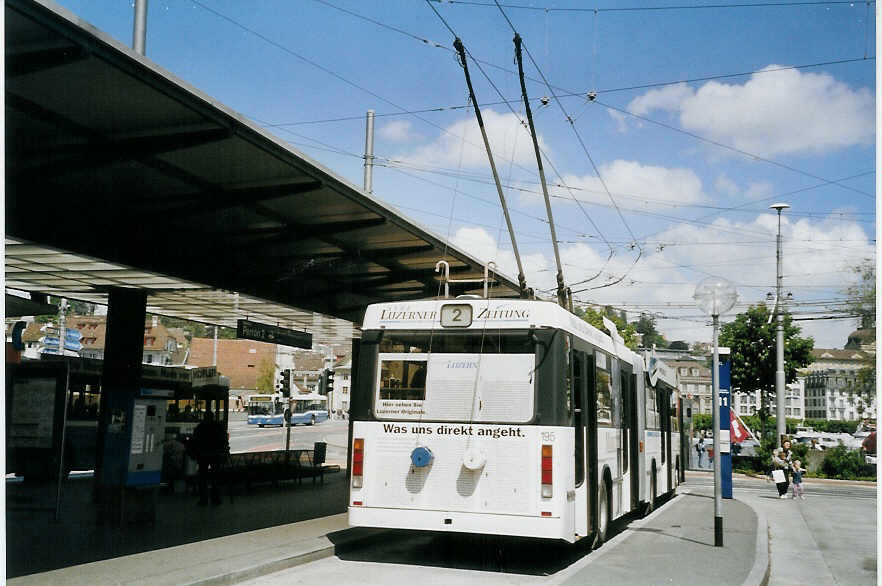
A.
pixel 840 462
pixel 702 421
pixel 800 452
pixel 829 426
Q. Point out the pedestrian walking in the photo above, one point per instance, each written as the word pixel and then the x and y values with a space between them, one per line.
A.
pixel 210 448
pixel 699 447
pixel 796 471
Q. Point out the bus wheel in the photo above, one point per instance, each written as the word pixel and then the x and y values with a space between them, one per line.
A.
pixel 260 425
pixel 602 516
pixel 312 420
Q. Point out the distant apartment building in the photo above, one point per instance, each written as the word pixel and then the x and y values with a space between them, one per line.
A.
pixel 748 403
pixel 340 398
pixel 695 382
pixel 240 360
pixel 829 381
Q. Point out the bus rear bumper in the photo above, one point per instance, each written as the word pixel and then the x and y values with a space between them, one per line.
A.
pixel 462 522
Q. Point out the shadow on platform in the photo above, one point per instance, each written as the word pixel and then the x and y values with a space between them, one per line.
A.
pixel 35 542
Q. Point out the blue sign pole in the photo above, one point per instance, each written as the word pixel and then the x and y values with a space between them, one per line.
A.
pixel 724 431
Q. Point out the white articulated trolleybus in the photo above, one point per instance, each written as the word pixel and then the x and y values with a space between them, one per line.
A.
pixel 662 428
pixel 500 416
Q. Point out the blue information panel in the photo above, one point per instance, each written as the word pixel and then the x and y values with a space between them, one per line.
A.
pixel 724 431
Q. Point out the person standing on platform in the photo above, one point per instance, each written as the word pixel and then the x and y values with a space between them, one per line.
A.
pixel 210 447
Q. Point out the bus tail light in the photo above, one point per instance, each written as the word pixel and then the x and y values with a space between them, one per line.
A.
pixel 358 463
pixel 546 471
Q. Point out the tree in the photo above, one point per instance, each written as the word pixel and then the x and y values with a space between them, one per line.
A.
pixel 862 303
pixel 862 295
pixel 595 318
pixel 266 376
pixel 678 345
pixel 752 339
pixel 651 336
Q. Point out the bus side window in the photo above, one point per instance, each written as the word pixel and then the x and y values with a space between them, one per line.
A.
pixel 626 420
pixel 603 390
pixel 578 361
pixel 568 340
pixel 662 409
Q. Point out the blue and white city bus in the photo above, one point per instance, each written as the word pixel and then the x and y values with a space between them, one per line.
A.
pixel 507 417
pixel 309 409
pixel 266 409
pixel 269 409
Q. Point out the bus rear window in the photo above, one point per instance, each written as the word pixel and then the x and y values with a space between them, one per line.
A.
pixel 466 376
pixel 403 380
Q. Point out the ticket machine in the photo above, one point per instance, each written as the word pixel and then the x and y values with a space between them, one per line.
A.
pixel 134 440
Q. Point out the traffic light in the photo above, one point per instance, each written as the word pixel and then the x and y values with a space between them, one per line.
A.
pixel 285 383
pixel 323 383
pixel 329 385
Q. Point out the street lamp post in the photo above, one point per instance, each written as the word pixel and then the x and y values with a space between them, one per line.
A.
pixel 780 417
pixel 715 296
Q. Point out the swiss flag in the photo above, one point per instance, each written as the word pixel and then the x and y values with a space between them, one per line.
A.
pixel 738 431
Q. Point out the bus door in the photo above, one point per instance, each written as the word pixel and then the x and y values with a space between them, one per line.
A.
pixel 580 365
pixel 591 439
pixel 629 410
pixel 684 440
pixel 664 408
pixel 672 427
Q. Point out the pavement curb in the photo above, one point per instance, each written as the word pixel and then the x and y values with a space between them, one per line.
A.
pixel 759 573
pixel 324 548
pixel 268 567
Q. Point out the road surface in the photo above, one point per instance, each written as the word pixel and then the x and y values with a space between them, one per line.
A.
pixel 251 438
pixel 838 518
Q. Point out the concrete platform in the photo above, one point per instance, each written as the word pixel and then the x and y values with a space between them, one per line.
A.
pixel 212 545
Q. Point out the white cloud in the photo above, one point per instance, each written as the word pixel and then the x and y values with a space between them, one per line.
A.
pixel 773 113
pixel 667 98
pixel 646 186
pixel 480 244
pixel 759 189
pixel 462 144
pixel 726 185
pixel 397 131
pixel 818 255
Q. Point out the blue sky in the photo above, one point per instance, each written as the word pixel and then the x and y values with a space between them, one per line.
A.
pixel 675 195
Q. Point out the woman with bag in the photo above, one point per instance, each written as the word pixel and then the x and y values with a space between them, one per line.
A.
pixel 779 465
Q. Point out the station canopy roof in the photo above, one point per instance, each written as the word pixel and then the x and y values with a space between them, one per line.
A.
pixel 118 174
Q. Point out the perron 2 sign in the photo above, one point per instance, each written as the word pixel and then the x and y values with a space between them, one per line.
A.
pixel 250 330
